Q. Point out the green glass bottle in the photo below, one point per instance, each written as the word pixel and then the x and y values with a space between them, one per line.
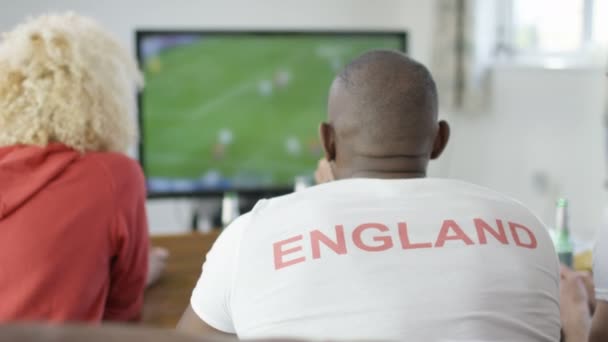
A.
pixel 563 242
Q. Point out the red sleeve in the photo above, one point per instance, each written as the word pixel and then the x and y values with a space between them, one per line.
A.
pixel 130 241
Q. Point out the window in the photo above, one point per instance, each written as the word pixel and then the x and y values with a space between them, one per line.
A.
pixel 556 27
pixel 600 24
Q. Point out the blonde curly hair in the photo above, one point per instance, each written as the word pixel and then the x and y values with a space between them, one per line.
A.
pixel 64 79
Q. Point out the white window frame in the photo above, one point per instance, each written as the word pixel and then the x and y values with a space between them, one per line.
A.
pixel 581 56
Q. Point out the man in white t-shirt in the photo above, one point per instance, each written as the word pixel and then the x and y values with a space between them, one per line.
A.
pixel 382 253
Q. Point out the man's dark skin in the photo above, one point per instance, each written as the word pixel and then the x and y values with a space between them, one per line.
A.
pixel 382 124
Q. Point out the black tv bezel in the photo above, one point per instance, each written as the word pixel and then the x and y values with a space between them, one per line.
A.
pixel 246 192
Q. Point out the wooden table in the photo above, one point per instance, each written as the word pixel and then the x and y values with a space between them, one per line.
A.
pixel 165 301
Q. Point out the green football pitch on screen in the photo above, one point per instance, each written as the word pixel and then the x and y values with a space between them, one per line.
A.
pixel 238 111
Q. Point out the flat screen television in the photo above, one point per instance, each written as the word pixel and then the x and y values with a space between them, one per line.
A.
pixel 238 111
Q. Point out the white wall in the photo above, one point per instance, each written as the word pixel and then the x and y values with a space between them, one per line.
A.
pixel 122 17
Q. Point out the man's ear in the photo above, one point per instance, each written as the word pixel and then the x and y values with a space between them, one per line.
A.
pixel 328 139
pixel 441 139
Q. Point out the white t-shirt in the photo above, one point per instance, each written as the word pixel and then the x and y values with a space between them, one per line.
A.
pixel 416 260
pixel 600 265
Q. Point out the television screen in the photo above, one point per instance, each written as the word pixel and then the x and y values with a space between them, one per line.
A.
pixel 238 111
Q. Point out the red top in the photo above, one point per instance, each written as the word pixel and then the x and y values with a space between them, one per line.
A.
pixel 73 235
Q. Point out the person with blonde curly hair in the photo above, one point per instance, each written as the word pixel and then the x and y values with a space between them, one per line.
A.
pixel 73 229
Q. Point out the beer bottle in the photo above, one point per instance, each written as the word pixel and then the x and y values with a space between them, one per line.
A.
pixel 563 242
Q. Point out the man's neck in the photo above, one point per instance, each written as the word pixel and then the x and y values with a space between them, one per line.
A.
pixel 383 174
pixel 389 168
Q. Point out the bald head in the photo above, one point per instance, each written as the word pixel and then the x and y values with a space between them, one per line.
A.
pixel 383 115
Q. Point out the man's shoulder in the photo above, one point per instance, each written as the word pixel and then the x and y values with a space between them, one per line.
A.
pixel 406 188
pixel 475 190
pixel 485 198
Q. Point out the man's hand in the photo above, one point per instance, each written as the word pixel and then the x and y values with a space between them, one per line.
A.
pixel 324 173
pixel 587 278
pixel 574 306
